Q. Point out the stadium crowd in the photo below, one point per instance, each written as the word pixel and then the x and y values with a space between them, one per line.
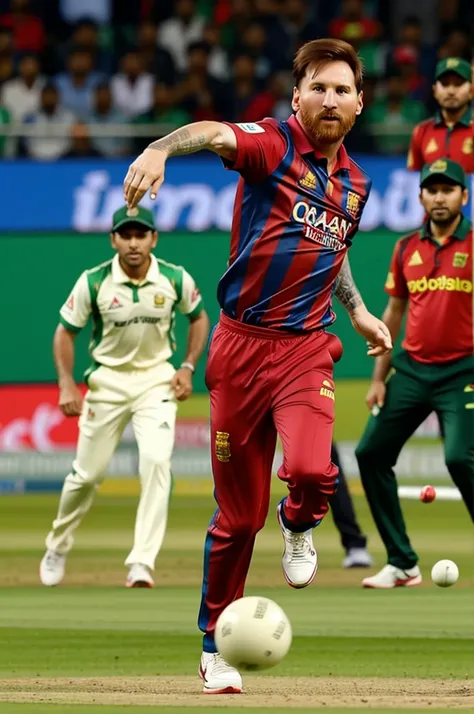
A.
pixel 67 65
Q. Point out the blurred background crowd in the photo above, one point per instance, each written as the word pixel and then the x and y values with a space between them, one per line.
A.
pixel 76 66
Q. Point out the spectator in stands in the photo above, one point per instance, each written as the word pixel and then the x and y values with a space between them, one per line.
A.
pixel 53 116
pixel 86 36
pixel 245 90
pixel 406 60
pixel 264 103
pixel 282 85
pixel 104 113
pixel 132 88
pixel 185 27
pixel 81 145
pixel 72 11
pixel 363 32
pixel 76 85
pixel 165 112
pixel 5 121
pixel 218 66
pixel 393 117
pixel 21 96
pixel 233 22
pixel 202 96
pixel 254 43
pixel 28 31
pixel 295 25
pixel 156 60
pixel 456 45
pixel 7 63
pixel 411 35
pixel 354 22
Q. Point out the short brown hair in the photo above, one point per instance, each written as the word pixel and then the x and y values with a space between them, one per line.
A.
pixel 319 53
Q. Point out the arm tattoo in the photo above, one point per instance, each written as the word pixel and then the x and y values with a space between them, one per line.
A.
pixel 346 291
pixel 179 142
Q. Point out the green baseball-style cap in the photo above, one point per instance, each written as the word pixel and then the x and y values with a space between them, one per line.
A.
pixel 443 169
pixel 138 214
pixel 454 64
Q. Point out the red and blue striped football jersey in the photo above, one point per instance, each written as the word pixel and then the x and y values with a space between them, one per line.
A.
pixel 291 229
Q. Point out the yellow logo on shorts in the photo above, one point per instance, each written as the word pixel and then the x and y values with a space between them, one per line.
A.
pixel 327 390
pixel 222 446
pixel 159 300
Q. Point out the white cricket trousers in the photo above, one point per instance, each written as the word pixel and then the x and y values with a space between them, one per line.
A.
pixel 114 398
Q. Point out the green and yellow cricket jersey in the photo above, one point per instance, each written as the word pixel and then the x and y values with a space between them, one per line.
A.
pixel 132 323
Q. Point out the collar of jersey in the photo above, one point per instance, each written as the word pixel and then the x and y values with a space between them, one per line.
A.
pixel 465 120
pixel 461 232
pixel 304 146
pixel 119 276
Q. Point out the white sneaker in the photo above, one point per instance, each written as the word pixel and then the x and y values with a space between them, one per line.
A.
pixel 357 558
pixel 139 576
pixel 52 568
pixel 392 577
pixel 299 560
pixel 218 676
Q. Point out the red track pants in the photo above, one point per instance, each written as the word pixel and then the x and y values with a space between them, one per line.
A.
pixel 263 382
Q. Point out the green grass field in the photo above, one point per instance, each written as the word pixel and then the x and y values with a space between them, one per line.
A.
pixel 91 645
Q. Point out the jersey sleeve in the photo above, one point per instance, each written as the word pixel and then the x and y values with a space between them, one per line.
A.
pixel 395 284
pixel 415 157
pixel 75 312
pixel 260 148
pixel 191 301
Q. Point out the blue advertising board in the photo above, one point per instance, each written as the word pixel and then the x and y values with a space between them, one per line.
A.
pixel 197 195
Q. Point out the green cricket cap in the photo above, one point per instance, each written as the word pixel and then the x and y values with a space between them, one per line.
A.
pixel 443 168
pixel 454 64
pixel 138 214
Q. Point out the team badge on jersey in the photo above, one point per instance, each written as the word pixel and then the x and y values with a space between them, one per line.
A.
pixel 222 446
pixel 352 205
pixel 159 300
pixel 390 282
pixel 460 260
pixel 115 304
pixel 70 303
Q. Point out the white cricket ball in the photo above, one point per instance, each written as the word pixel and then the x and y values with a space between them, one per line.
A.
pixel 444 573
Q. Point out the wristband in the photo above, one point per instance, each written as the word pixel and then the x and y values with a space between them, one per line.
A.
pixel 187 365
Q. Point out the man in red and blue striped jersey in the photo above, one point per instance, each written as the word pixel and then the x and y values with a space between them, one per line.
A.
pixel 270 365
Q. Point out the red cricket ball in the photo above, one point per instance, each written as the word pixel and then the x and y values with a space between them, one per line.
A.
pixel 427 494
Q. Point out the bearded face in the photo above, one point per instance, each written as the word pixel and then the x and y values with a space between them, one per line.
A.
pixel 327 102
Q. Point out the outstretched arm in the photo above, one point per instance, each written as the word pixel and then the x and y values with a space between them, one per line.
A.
pixel 148 170
pixel 374 330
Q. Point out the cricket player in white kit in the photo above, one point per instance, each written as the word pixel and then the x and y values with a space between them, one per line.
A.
pixel 132 301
